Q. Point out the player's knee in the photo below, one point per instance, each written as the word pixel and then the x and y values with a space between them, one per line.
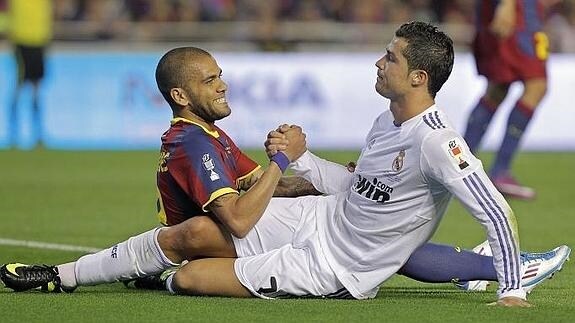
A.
pixel 193 234
pixel 197 232
pixel 534 91
pixel 178 242
pixel 496 93
pixel 168 242
pixel 189 280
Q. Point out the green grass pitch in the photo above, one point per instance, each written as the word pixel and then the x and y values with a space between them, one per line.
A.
pixel 98 198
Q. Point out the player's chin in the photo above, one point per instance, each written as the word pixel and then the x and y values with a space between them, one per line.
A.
pixel 224 112
pixel 379 88
pixel 379 84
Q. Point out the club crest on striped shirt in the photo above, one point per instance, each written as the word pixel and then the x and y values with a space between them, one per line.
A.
pixel 397 163
pixel 455 151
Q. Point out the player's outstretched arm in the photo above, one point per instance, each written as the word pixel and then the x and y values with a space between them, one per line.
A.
pixel 239 213
pixel 288 186
pixel 293 186
pixel 323 176
pixel 328 177
pixel 446 159
pixel 504 20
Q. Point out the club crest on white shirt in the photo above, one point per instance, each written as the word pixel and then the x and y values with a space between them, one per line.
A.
pixel 209 166
pixel 454 150
pixel 397 163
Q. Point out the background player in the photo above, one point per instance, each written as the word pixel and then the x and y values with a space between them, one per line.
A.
pixel 509 46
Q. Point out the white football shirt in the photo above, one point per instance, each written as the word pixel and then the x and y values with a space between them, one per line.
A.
pixel 401 187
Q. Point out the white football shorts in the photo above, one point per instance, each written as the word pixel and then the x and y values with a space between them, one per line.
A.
pixel 276 227
pixel 287 268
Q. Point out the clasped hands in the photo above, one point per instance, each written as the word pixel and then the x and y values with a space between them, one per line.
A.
pixel 288 139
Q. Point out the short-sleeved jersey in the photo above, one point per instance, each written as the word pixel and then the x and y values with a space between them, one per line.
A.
pixel 403 182
pixel 196 166
pixel 521 56
pixel 30 22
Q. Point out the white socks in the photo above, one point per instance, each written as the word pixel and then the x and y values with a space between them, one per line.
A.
pixel 136 257
pixel 67 274
pixel 169 282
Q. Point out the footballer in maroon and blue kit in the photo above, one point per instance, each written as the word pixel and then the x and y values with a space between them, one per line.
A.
pixel 197 166
pixel 509 46
pixel 518 57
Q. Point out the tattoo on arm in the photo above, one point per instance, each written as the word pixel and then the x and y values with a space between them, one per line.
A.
pixel 292 186
pixel 245 183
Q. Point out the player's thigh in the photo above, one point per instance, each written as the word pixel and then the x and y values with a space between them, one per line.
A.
pixel 533 91
pixel 276 227
pixel 194 238
pixel 490 60
pixel 210 276
pixel 31 63
pixel 496 91
pixel 527 58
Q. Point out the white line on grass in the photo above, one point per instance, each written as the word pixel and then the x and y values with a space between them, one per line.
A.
pixel 46 245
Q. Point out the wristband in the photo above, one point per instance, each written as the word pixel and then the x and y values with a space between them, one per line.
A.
pixel 281 160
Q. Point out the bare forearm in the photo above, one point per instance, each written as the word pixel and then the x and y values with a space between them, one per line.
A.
pixel 253 203
pixel 292 186
pixel 504 19
pixel 240 213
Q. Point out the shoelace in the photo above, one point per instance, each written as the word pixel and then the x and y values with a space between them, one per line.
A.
pixel 40 273
pixel 533 257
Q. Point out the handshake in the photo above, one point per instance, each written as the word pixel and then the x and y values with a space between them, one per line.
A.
pixel 286 140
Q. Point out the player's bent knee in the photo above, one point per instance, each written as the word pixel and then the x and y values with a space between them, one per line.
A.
pixel 193 237
pixel 183 284
pixel 190 280
pixel 496 92
pixel 198 233
pixel 534 91
pixel 180 240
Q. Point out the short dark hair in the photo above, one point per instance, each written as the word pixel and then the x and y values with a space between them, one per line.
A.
pixel 173 69
pixel 428 49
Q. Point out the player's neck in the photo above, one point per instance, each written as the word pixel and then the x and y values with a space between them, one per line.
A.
pixel 186 114
pixel 406 109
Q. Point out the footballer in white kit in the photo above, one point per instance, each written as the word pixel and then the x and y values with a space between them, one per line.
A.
pixel 348 243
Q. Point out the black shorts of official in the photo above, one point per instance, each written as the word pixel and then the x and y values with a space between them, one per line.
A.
pixel 30 62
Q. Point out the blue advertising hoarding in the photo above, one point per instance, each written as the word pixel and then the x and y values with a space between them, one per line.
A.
pixel 109 100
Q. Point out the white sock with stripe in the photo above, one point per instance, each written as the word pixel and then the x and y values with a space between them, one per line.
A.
pixel 138 256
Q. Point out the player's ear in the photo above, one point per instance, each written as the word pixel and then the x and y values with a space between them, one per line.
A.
pixel 418 77
pixel 179 96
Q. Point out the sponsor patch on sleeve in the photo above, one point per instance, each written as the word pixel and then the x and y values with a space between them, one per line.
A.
pixel 454 149
pixel 209 165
